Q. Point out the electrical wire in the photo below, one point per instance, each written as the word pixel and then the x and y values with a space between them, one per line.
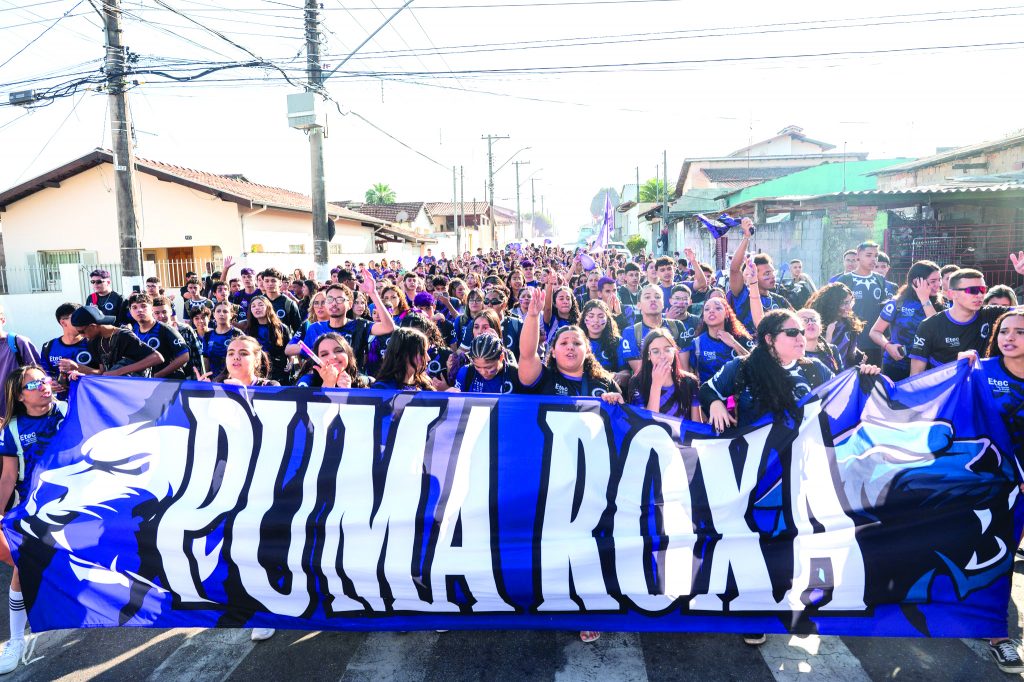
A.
pixel 45 31
pixel 55 132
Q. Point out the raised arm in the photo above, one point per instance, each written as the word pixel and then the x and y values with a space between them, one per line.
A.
pixel 529 340
pixel 386 325
pixel 700 280
pixel 739 258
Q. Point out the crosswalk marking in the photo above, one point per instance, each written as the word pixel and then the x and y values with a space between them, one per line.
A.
pixel 391 657
pixel 205 655
pixel 812 657
pixel 616 656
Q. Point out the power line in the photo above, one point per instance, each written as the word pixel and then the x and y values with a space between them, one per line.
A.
pixel 55 132
pixel 45 31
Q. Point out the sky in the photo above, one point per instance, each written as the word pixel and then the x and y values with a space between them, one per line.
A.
pixel 587 91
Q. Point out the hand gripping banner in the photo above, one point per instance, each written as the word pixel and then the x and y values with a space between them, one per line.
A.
pixel 889 511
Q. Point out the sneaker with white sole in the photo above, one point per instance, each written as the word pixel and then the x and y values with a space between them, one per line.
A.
pixel 755 639
pixel 1005 655
pixel 262 634
pixel 11 655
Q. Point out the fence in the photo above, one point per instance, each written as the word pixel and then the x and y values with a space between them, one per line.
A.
pixel 172 272
pixel 115 276
pixel 982 247
pixel 38 279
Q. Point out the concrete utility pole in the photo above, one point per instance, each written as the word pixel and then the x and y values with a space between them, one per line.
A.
pixel 490 182
pixel 318 194
pixel 455 214
pixel 519 219
pixel 121 138
pixel 664 203
pixel 462 202
pixel 533 208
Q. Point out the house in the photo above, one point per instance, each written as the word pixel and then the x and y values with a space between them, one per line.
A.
pixel 963 206
pixel 786 152
pixel 476 224
pixel 188 220
pixel 410 216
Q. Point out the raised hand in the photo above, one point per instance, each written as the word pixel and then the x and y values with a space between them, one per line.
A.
pixel 747 225
pixel 923 289
pixel 1018 261
pixel 536 306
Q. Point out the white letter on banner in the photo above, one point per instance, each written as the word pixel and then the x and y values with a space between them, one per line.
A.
pixel 359 422
pixel 364 530
pixel 830 561
pixel 739 547
pixel 180 550
pixel 246 527
pixel 675 561
pixel 568 549
pixel 468 498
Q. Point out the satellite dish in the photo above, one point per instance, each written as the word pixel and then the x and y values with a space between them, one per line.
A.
pixel 402 216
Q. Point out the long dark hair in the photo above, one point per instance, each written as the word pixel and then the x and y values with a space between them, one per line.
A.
pixel 761 372
pixel 351 369
pixel 416 320
pixel 592 369
pixel 992 351
pixel 12 389
pixel 277 335
pixel 922 269
pixel 574 308
pixel 731 324
pixel 828 300
pixel 683 382
pixel 610 336
pixel 404 347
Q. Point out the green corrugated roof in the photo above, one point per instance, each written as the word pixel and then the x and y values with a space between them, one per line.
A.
pixel 823 179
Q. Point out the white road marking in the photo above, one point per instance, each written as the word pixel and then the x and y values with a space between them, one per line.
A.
pixel 391 657
pixel 792 658
pixel 205 655
pixel 616 656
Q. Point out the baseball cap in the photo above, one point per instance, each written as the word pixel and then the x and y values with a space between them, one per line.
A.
pixel 424 298
pixel 89 314
pixel 248 271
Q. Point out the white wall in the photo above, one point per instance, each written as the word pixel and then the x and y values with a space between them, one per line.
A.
pixel 32 315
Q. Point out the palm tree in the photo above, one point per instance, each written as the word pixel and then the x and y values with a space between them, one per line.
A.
pixel 380 194
pixel 653 190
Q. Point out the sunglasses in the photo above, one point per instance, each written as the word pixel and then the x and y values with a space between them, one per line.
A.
pixel 792 332
pixel 493 301
pixel 38 383
pixel 97 281
pixel 974 291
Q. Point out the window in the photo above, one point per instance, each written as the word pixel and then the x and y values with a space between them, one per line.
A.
pixel 296 248
pixel 55 258
pixel 335 249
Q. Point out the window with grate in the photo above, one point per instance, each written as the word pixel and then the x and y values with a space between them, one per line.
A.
pixel 296 248
pixel 55 258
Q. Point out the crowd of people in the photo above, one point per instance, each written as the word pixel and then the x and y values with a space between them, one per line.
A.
pixel 665 334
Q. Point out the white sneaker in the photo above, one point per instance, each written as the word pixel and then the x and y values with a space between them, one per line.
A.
pixel 11 656
pixel 261 634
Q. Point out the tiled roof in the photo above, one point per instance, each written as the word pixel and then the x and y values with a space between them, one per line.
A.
pixel 755 174
pixel 388 212
pixel 447 208
pixel 233 187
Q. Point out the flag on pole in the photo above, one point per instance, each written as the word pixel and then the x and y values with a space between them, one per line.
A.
pixel 607 224
pixel 718 226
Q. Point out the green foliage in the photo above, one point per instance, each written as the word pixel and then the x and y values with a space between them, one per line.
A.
pixel 380 193
pixel 636 244
pixel 653 190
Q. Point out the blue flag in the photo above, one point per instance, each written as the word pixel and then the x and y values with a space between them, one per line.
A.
pixel 718 227
pixel 886 510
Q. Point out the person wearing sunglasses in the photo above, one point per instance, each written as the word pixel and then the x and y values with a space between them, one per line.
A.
pixel 963 328
pixel 31 420
pixel 105 298
pixel 496 298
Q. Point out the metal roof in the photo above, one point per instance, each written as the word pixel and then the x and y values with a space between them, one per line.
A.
pixel 958 153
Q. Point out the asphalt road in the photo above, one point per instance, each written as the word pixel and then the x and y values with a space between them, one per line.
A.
pixel 195 654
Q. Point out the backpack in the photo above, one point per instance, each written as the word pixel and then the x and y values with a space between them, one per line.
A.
pixel 361 343
pixel 12 345
pixel 12 426
pixel 674 326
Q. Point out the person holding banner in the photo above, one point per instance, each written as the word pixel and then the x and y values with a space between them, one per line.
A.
pixel 33 416
pixel 1002 372
pixel 662 385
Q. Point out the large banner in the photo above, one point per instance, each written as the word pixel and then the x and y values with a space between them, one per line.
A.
pixel 887 511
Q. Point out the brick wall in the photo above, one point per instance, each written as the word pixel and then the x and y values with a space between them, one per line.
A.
pixel 845 227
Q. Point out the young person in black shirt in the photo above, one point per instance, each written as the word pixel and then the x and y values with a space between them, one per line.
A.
pixel 120 352
pixel 285 308
pixel 161 337
pixel 105 298
pixel 870 292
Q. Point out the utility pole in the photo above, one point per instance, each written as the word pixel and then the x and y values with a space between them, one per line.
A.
pixel 519 219
pixel 121 138
pixel 455 215
pixel 462 201
pixel 490 182
pixel 314 84
pixel 664 203
pixel 533 208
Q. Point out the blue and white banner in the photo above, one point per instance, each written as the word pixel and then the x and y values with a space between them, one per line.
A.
pixel 890 511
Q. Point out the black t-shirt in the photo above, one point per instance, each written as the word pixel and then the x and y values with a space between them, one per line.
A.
pixel 241 299
pixel 122 348
pixel 166 341
pixel 110 304
pixel 555 383
pixel 287 311
pixel 869 295
pixel 939 338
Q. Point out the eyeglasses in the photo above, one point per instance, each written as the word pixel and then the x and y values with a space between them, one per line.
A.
pixel 336 299
pixel 493 301
pixel 38 384
pixel 973 291
pixel 792 332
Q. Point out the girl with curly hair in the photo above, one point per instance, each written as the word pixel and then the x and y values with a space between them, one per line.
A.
pixel 720 337
pixel 834 303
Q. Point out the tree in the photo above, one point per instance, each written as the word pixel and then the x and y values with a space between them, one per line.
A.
pixel 653 190
pixel 380 194
pixel 542 225
pixel 636 244
pixel 597 203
